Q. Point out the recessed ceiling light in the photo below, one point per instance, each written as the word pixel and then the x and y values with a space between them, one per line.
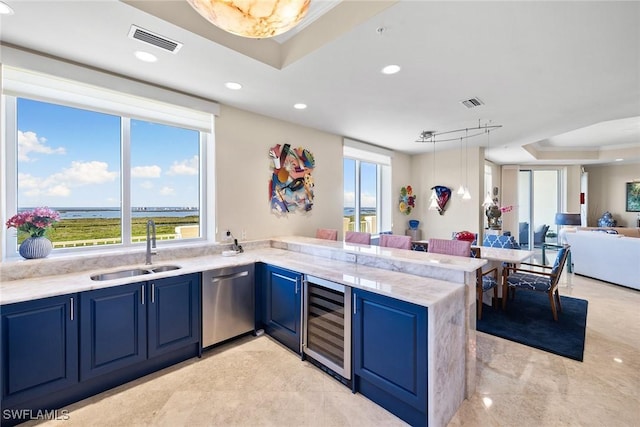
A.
pixel 299 106
pixel 233 85
pixel 391 69
pixel 5 9
pixel 619 160
pixel 145 56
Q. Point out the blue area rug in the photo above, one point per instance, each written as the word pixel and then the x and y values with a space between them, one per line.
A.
pixel 528 320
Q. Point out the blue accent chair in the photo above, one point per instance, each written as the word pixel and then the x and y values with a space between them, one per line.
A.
pixel 505 242
pixel 541 281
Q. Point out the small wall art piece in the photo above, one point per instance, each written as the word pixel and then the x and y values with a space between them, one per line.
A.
pixel 291 185
pixel 407 200
pixel 633 196
pixel 443 194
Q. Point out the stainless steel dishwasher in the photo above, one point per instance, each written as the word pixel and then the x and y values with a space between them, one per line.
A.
pixel 228 301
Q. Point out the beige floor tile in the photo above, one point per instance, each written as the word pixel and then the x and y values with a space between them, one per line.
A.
pixel 257 382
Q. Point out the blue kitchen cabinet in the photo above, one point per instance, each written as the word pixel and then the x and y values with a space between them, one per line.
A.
pixel 173 313
pixel 280 293
pixel 390 354
pixel 113 329
pixel 39 348
pixel 125 325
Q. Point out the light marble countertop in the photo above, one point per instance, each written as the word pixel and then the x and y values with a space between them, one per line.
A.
pixel 420 290
pixel 416 257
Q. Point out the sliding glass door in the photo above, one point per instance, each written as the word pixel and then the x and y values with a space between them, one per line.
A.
pixel 538 202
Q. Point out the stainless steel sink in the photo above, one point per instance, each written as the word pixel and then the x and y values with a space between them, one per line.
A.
pixel 120 274
pixel 162 268
pixel 133 272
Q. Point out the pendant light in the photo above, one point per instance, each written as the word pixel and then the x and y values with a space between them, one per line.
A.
pixel 466 195
pixel 488 201
pixel 433 206
pixel 461 188
pixel 256 19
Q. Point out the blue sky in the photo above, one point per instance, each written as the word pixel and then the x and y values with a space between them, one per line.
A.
pixel 69 157
pixel 367 185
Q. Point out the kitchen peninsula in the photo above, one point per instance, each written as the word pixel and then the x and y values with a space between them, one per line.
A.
pixel 397 274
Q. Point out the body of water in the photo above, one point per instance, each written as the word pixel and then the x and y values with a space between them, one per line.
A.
pixel 79 213
pixel 363 211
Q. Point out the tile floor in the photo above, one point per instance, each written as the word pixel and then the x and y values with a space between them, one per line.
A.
pixel 255 382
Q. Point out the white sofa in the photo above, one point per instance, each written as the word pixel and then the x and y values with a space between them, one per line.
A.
pixel 613 258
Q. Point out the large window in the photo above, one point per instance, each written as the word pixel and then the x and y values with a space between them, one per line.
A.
pixel 367 177
pixel 106 172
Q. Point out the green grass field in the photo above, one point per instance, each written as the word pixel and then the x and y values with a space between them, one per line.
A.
pixel 109 228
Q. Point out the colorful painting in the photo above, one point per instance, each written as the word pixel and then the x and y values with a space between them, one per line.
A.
pixel 291 185
pixel 633 196
pixel 407 200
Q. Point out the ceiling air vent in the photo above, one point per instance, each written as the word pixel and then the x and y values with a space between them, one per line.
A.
pixel 472 103
pixel 154 39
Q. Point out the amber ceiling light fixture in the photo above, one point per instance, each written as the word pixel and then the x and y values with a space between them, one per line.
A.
pixel 256 19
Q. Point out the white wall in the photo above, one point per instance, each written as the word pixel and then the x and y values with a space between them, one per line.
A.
pixel 401 177
pixel 607 192
pixel 459 214
pixel 243 140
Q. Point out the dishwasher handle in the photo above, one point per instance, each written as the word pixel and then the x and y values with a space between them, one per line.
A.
pixel 229 276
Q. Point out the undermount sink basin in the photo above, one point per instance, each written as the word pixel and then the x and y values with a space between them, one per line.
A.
pixel 162 268
pixel 133 272
pixel 120 274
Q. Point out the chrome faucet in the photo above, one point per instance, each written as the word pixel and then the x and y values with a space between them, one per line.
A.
pixel 151 240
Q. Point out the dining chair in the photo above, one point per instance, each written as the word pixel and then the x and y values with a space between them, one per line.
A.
pixel 327 234
pixel 504 242
pixel 542 281
pixel 395 241
pixel 449 247
pixel 465 235
pixel 485 281
pixel 357 237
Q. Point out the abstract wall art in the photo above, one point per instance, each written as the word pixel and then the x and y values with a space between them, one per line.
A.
pixel 407 200
pixel 291 185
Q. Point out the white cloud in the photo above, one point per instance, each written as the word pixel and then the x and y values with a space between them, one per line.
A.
pixel 146 171
pixel 147 185
pixel 60 190
pixel 185 167
pixel 60 183
pixel 29 142
pixel 167 191
pixel 349 199
pixel 82 173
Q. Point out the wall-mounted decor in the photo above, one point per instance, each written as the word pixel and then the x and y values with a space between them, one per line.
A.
pixel 633 197
pixel 407 200
pixel 291 185
pixel 442 196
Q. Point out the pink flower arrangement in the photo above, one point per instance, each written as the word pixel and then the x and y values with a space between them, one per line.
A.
pixel 504 209
pixel 35 222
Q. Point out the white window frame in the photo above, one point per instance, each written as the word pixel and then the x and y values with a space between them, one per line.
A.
pixel 188 112
pixel 362 152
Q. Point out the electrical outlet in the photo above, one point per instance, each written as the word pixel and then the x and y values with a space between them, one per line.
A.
pixel 244 235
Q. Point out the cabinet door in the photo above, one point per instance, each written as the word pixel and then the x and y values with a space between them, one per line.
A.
pixel 282 290
pixel 174 313
pixel 39 348
pixel 112 329
pixel 390 352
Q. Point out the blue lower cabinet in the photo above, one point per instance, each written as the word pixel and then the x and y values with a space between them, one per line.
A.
pixel 281 292
pixel 390 354
pixel 39 348
pixel 113 329
pixel 173 313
